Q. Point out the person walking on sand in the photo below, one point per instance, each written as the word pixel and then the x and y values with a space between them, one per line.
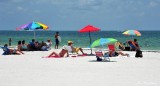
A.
pixel 57 40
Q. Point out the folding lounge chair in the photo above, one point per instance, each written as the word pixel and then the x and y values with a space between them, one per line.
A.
pixel 111 47
pixel 99 54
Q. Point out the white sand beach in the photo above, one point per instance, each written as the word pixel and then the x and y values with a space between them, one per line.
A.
pixel 30 69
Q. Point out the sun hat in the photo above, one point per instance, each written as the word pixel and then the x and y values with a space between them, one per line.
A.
pixel 70 42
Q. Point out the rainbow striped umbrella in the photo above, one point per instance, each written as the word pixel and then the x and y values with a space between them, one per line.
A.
pixel 32 26
pixel 132 32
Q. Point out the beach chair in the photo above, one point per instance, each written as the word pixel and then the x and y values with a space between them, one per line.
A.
pixel 100 55
pixel 111 47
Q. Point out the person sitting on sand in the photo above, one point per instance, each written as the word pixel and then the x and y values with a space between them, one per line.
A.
pixel 24 46
pixel 43 46
pixel 132 45
pixel 32 45
pixel 136 43
pixel 6 50
pixel 120 46
pixel 108 54
pixel 75 49
pixel 19 47
pixel 49 44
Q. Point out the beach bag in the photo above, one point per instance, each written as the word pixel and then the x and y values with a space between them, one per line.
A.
pixel 127 49
pixel 139 53
pixel 98 58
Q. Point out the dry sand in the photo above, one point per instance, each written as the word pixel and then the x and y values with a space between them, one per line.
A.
pixel 30 69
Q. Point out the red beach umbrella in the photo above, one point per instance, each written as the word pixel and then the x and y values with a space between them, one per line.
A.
pixel 89 28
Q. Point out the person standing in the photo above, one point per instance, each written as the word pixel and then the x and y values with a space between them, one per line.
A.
pixel 56 40
pixel 10 40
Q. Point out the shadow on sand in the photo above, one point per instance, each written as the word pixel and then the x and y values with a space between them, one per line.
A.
pixel 100 61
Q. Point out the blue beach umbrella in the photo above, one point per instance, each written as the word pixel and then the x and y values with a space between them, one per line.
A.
pixel 103 41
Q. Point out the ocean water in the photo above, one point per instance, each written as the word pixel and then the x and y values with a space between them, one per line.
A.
pixel 150 40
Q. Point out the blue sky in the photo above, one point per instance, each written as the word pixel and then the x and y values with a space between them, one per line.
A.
pixel 76 14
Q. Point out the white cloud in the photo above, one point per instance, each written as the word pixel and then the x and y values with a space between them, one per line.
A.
pixel 140 14
pixel 88 4
pixel 152 4
pixel 37 11
pixel 19 8
pixel 16 1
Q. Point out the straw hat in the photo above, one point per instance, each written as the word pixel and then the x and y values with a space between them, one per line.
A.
pixel 70 42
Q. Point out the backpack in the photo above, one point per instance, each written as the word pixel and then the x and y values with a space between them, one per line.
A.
pixel 139 53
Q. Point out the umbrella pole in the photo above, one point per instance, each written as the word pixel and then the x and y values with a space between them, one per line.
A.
pixel 90 41
pixel 34 34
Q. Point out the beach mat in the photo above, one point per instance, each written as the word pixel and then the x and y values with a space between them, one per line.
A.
pixel 74 56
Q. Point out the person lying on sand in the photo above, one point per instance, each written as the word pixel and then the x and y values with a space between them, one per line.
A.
pixel 56 55
pixel 117 53
pixel 106 55
pixel 8 51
